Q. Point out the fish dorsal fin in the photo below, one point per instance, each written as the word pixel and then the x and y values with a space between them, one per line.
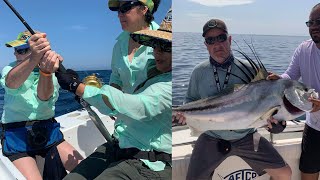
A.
pixel 237 87
pixel 261 75
pixel 260 72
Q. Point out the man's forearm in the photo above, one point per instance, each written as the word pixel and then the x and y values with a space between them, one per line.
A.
pixel 45 87
pixel 18 75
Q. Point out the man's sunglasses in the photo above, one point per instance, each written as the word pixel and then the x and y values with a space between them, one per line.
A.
pixel 220 38
pixel 22 51
pixel 164 47
pixel 128 6
pixel 313 22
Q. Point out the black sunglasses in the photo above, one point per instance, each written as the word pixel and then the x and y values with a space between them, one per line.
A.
pixel 313 22
pixel 220 38
pixel 164 47
pixel 128 6
pixel 22 51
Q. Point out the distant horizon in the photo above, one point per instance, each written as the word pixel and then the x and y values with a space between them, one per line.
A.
pixel 246 34
pixel 84 69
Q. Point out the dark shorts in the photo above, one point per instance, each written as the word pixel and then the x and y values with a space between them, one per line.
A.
pixel 206 158
pixel 310 149
pixel 104 163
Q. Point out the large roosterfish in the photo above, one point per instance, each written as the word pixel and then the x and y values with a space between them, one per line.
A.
pixel 249 105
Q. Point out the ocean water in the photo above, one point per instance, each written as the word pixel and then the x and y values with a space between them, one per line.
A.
pixel 66 102
pixel 275 52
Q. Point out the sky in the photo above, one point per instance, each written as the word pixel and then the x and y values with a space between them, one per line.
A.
pixel 262 17
pixel 82 31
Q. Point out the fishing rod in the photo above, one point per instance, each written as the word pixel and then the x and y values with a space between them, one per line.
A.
pixel 61 67
pixel 93 115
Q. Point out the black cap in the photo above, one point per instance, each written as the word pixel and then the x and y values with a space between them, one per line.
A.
pixel 214 23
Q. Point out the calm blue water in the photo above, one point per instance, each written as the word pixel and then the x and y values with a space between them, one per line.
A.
pixel 66 102
pixel 189 50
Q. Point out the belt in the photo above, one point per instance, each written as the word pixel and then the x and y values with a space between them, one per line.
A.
pixel 25 123
pixel 129 153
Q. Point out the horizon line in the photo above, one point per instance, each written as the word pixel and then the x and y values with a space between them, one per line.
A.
pixel 248 34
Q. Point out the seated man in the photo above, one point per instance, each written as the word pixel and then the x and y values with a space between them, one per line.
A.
pixel 142 138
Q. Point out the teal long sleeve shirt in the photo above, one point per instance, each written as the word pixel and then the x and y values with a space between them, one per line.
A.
pixel 125 74
pixel 202 85
pixel 23 104
pixel 143 119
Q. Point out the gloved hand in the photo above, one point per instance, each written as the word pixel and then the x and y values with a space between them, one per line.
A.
pixel 68 80
pixel 278 128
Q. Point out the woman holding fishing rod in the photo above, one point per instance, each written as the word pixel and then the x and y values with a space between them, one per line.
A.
pixel 29 127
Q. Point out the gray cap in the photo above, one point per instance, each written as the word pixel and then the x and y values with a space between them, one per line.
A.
pixel 214 23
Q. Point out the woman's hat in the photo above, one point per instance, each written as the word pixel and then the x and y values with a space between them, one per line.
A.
pixel 21 42
pixel 162 35
pixel 114 4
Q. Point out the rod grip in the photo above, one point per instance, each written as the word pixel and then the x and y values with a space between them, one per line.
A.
pixel 61 68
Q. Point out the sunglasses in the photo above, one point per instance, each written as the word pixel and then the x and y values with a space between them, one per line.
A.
pixel 128 6
pixel 163 45
pixel 167 47
pixel 313 22
pixel 220 38
pixel 22 51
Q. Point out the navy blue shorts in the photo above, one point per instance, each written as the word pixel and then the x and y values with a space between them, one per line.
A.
pixel 30 138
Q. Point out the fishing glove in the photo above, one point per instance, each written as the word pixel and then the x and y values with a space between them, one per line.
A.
pixel 277 128
pixel 68 80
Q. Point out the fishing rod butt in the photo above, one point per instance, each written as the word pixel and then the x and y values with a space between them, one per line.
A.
pixel 61 68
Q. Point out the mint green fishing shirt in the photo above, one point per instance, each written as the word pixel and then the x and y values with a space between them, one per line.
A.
pixel 203 85
pixel 143 119
pixel 23 104
pixel 125 74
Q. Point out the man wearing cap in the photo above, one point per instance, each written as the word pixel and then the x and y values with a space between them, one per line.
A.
pixel 142 137
pixel 305 65
pixel 212 147
pixel 29 103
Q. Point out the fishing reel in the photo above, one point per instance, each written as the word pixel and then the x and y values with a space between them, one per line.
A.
pixel 93 80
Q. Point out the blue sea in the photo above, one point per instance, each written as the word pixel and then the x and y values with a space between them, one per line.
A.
pixel 275 52
pixel 66 102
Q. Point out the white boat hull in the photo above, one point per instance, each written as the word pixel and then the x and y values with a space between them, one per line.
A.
pixel 234 167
